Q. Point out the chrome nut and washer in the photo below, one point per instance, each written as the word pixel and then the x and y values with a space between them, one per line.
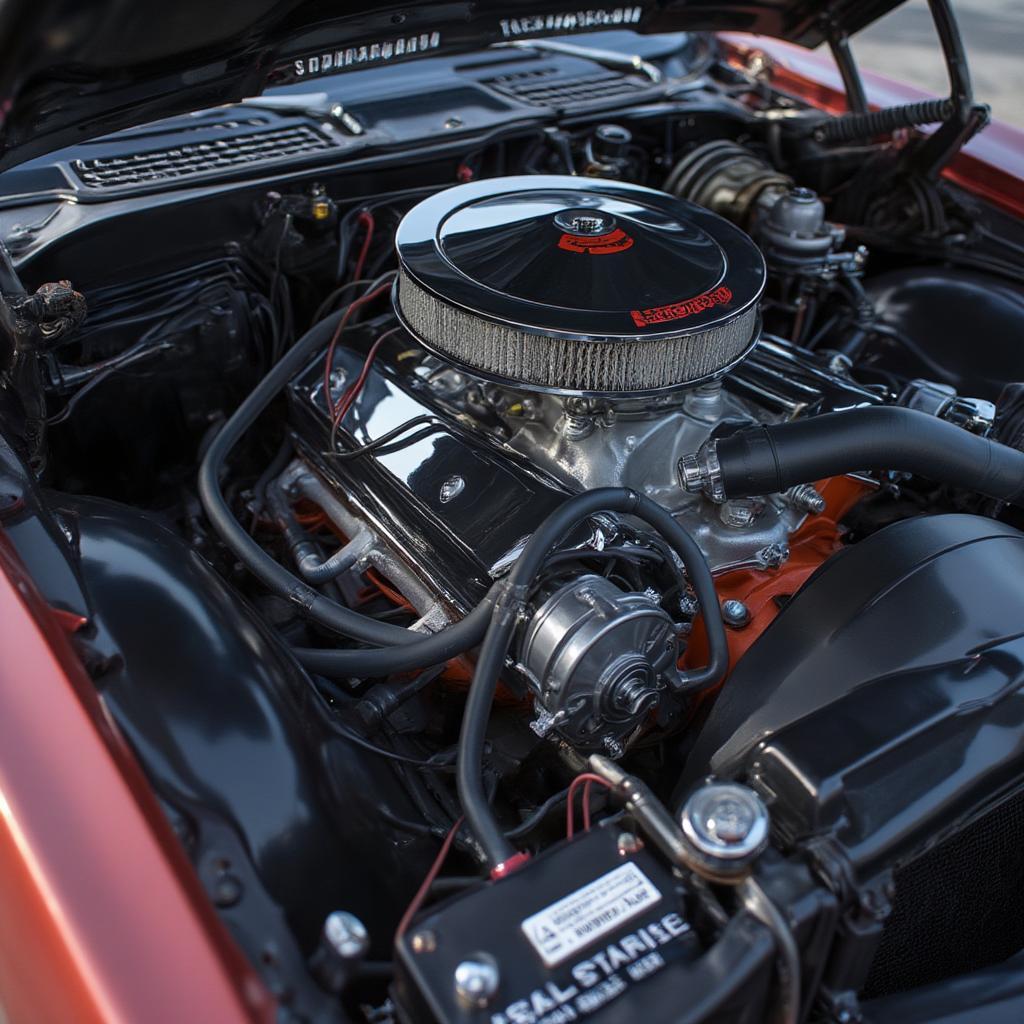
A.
pixel 726 825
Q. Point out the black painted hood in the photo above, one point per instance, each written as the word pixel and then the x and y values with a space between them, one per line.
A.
pixel 75 69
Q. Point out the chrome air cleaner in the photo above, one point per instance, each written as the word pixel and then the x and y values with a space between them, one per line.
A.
pixel 577 285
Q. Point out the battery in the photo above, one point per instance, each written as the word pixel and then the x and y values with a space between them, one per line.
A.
pixel 571 935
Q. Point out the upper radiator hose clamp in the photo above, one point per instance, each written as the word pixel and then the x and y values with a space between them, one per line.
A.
pixel 769 458
pixel 701 472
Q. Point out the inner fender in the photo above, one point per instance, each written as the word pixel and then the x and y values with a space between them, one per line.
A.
pixel 936 308
pixel 284 820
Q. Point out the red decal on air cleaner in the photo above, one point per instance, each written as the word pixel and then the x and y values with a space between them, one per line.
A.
pixel 597 245
pixel 681 310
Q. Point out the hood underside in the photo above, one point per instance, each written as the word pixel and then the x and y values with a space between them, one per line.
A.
pixel 76 69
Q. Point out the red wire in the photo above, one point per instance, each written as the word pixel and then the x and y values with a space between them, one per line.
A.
pixel 421 893
pixel 345 403
pixel 366 219
pixel 337 334
pixel 587 778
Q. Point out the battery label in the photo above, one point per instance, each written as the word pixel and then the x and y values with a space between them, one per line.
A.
pixel 585 915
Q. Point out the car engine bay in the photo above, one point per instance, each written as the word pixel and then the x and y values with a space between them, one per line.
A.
pixel 555 558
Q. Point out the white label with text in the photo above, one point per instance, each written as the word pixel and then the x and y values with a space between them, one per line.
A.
pixel 584 916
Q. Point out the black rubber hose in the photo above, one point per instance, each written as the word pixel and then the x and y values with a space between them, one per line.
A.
pixel 417 650
pixel 425 650
pixel 275 577
pixel 770 459
pixel 851 127
pixel 508 605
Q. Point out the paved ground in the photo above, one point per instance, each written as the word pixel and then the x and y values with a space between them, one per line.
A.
pixel 903 46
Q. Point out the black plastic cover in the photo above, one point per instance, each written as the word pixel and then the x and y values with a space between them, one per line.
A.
pixel 936 308
pixel 883 707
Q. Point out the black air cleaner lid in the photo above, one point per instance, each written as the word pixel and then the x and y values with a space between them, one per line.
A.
pixel 538 281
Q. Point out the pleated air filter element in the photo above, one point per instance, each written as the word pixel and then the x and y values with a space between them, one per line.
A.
pixel 578 286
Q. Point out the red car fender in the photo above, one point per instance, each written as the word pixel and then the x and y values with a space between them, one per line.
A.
pixel 103 917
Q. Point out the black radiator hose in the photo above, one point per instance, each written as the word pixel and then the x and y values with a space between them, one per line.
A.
pixel 510 602
pixel 768 459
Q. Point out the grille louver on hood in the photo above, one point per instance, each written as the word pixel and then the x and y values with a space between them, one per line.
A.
pixel 546 88
pixel 192 159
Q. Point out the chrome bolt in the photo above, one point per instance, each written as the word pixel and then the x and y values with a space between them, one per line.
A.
pixel 735 613
pixel 343 944
pixel 347 120
pixel 476 981
pixel 739 513
pixel 227 890
pixel 451 489
pixel 771 556
pixel 346 935
pixel 424 942
pixel 805 498
pixel 726 824
pixel 577 426
pixel 629 843
pixel 613 747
